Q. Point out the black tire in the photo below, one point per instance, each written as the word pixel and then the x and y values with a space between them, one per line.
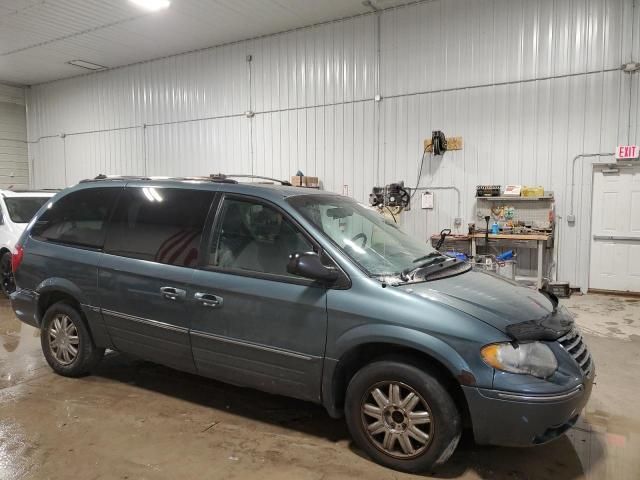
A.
pixel 77 335
pixel 7 284
pixel 443 430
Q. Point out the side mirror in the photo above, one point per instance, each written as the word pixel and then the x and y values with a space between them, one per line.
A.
pixel 309 265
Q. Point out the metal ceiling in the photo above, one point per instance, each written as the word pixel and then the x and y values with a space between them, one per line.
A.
pixel 39 37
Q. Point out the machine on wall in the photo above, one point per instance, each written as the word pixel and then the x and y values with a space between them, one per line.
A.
pixel 394 198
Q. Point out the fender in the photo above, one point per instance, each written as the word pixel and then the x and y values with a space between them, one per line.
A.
pixel 92 313
pixel 395 335
pixel 58 284
pixel 403 337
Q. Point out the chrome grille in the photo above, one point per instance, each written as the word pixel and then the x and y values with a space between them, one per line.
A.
pixel 572 343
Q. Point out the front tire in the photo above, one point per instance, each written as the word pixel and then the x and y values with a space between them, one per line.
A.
pixel 6 275
pixel 66 342
pixel 402 416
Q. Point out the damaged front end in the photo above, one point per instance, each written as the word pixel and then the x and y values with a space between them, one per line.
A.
pixel 550 327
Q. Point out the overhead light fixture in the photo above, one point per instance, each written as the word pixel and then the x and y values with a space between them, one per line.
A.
pixel 152 5
pixel 85 64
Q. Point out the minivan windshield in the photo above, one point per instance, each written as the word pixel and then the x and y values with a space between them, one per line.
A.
pixel 22 209
pixel 372 241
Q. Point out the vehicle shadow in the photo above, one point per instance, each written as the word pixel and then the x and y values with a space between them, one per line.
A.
pixel 561 458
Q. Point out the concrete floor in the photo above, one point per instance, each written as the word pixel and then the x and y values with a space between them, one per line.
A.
pixel 136 420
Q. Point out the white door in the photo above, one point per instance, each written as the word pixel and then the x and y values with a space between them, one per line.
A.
pixel 615 228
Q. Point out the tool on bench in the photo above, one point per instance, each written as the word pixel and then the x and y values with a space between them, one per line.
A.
pixel 443 235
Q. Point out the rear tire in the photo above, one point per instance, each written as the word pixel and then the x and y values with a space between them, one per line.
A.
pixel 402 416
pixel 6 275
pixel 66 342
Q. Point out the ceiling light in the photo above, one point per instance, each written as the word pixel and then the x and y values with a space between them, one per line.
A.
pixel 87 65
pixel 152 5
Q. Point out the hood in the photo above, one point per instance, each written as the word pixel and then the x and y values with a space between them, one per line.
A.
pixel 520 312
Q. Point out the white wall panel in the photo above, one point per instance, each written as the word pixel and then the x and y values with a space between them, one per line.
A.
pixel 334 143
pixel 113 152
pixel 527 84
pixel 199 148
pixel 456 43
pixel 14 168
pixel 48 163
pixel 14 165
pixel 205 84
pixel 321 65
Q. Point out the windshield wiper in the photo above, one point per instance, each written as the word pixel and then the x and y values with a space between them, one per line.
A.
pixel 428 255
pixel 428 267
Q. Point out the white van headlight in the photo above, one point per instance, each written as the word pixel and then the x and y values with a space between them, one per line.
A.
pixel 534 358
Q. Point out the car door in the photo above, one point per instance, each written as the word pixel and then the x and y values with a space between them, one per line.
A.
pixel 153 243
pixel 255 324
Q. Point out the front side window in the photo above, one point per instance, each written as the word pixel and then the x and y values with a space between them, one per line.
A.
pixel 162 225
pixel 78 218
pixel 22 209
pixel 254 237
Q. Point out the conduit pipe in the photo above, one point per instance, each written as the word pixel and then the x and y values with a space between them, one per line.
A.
pixel 455 189
pixel 571 217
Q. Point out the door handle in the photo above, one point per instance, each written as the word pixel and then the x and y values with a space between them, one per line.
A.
pixel 208 299
pixel 172 293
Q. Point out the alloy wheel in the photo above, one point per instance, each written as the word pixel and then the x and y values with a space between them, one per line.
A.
pixel 63 339
pixel 397 420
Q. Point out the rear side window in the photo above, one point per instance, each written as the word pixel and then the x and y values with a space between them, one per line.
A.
pixel 162 225
pixel 22 209
pixel 78 218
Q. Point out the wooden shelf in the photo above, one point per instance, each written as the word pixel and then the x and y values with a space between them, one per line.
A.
pixel 509 198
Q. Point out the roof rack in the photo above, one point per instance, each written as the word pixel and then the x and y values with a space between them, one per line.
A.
pixel 215 177
pixel 281 182
pixel 102 176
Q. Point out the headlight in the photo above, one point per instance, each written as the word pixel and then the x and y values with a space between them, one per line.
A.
pixel 533 358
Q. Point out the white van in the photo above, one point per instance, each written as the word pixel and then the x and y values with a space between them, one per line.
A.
pixel 16 211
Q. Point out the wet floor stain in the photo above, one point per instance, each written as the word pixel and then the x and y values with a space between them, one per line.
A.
pixel 606 316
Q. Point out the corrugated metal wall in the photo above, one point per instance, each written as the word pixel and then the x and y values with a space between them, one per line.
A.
pixel 14 167
pixel 528 84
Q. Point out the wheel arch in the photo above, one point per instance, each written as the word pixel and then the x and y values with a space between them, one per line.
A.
pixel 432 354
pixel 55 290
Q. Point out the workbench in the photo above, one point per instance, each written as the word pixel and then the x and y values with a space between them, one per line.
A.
pixel 538 241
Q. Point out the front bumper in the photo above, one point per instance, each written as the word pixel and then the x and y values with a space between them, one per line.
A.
pixel 512 419
pixel 25 305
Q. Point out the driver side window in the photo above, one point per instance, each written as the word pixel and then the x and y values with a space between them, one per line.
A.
pixel 254 237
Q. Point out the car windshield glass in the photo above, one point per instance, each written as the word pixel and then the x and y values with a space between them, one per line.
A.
pixel 22 209
pixel 372 241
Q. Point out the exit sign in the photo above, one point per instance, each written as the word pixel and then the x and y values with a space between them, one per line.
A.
pixel 627 152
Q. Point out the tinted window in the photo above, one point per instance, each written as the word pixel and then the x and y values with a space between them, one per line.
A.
pixel 77 218
pixel 161 225
pixel 254 237
pixel 22 209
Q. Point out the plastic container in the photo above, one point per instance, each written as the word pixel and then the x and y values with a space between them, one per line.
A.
pixel 532 191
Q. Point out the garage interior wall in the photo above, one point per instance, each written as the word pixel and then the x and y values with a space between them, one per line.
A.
pixel 527 84
pixel 14 166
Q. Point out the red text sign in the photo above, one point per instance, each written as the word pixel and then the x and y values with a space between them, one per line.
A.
pixel 627 151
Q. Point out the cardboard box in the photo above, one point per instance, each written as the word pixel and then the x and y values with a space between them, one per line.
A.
pixel 305 181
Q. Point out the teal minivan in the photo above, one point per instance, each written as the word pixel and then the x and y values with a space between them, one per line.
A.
pixel 302 293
